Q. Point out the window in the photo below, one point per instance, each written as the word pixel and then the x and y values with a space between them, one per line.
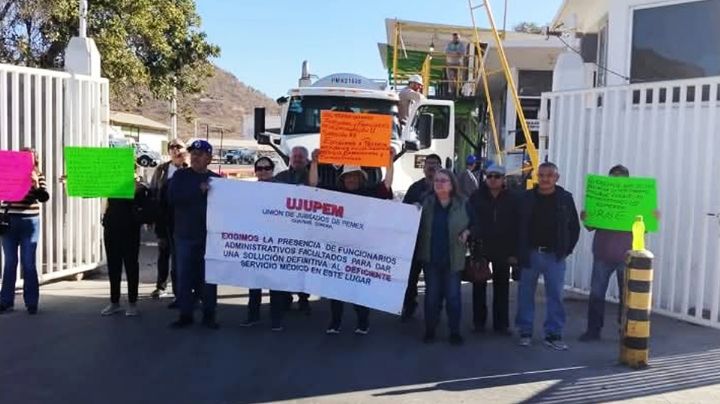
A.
pixel 441 120
pixel 602 59
pixel 534 82
pixel 676 42
pixel 303 115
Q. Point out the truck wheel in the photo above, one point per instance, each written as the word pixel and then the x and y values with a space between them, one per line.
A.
pixel 144 161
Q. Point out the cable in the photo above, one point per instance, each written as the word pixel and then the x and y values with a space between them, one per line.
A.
pixel 622 76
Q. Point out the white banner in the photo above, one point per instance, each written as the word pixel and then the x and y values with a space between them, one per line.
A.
pixel 301 239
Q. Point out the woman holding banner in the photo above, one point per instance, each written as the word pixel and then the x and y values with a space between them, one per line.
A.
pixel 353 180
pixel 444 230
pixel 122 221
pixel 264 168
pixel 22 232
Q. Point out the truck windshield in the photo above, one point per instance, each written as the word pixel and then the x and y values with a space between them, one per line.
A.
pixel 304 112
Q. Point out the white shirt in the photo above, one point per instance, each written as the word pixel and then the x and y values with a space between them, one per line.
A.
pixel 171 170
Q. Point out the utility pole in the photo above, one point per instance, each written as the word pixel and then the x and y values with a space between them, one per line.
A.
pixel 173 115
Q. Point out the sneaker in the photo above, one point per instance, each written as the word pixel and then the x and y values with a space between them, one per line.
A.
pixel 525 340
pixel 589 336
pixel 5 308
pixel 249 323
pixel 112 308
pixel 182 322
pixel 277 328
pixel 429 337
pixel 158 293
pixel 362 331
pixel 132 310
pixel 32 310
pixel 556 343
pixel 333 330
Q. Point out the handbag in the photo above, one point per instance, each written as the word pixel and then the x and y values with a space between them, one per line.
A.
pixel 4 221
pixel 477 268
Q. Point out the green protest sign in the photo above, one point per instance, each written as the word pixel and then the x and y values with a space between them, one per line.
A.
pixel 100 172
pixel 612 203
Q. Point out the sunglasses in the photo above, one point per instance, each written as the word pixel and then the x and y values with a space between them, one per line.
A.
pixel 494 176
pixel 263 168
pixel 175 146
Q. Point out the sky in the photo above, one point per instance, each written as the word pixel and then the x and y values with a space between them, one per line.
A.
pixel 264 42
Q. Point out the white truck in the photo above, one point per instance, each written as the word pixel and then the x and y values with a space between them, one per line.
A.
pixel 430 128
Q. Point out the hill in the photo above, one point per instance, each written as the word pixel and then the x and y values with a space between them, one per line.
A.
pixel 224 103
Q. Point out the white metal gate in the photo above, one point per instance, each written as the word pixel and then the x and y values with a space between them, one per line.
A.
pixel 47 110
pixel 667 130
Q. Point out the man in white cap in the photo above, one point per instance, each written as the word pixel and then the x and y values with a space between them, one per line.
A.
pixel 353 180
pixel 409 95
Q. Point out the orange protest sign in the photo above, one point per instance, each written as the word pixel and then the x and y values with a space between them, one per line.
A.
pixel 355 139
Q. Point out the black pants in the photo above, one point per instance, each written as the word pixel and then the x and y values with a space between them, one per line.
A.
pixel 501 290
pixel 166 264
pixel 410 302
pixel 336 310
pixel 122 247
pixel 277 305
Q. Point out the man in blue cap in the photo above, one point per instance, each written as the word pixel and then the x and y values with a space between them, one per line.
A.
pixel 468 179
pixel 187 195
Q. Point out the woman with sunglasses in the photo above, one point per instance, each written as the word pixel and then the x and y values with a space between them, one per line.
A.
pixel 494 234
pixel 444 224
pixel 23 235
pixel 264 168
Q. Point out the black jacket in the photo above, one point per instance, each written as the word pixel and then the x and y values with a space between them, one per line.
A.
pixel 158 192
pixel 418 191
pixel 128 214
pixel 567 229
pixel 494 222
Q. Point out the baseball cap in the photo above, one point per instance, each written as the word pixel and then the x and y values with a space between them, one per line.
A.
pixel 494 168
pixel 471 159
pixel 201 145
pixel 415 78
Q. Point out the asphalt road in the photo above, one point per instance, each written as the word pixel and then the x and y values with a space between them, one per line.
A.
pixel 70 354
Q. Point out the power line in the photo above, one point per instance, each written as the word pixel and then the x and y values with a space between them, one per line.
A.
pixel 622 76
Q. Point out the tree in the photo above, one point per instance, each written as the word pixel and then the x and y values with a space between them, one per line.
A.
pixel 153 44
pixel 528 27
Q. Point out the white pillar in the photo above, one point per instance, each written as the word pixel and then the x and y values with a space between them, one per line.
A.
pixel 81 54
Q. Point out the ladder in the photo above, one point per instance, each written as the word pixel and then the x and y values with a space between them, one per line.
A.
pixel 530 146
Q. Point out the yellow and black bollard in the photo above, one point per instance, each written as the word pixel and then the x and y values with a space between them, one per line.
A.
pixel 637 302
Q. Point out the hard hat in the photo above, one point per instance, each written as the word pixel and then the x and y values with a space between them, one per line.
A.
pixel 415 78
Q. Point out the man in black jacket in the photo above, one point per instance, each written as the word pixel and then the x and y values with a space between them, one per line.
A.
pixel 548 232
pixel 494 235
pixel 415 196
pixel 163 220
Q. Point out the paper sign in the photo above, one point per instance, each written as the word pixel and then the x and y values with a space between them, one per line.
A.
pixel 612 203
pixel 99 172
pixel 15 175
pixel 355 139
pixel 303 239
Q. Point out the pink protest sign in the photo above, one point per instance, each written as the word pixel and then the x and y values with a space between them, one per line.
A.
pixel 15 175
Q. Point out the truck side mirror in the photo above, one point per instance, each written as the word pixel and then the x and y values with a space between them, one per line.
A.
pixel 259 127
pixel 412 146
pixel 425 127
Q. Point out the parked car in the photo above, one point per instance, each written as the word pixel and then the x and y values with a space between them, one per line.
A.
pixel 146 157
pixel 241 156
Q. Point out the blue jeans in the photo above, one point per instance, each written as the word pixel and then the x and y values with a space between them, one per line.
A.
pixel 553 272
pixel 442 284
pixel 601 273
pixel 23 233
pixel 191 277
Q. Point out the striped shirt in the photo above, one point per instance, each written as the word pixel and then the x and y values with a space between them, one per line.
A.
pixel 30 205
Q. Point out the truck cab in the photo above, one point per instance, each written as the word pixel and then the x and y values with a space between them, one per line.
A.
pixel 430 128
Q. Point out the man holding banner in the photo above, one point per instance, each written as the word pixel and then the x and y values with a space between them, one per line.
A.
pixel 608 197
pixel 187 196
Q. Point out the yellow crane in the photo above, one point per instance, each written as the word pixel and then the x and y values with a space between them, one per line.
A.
pixel 531 148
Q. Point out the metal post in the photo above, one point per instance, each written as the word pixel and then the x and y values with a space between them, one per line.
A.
pixel 82 30
pixel 637 301
pixel 173 116
pixel 395 54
